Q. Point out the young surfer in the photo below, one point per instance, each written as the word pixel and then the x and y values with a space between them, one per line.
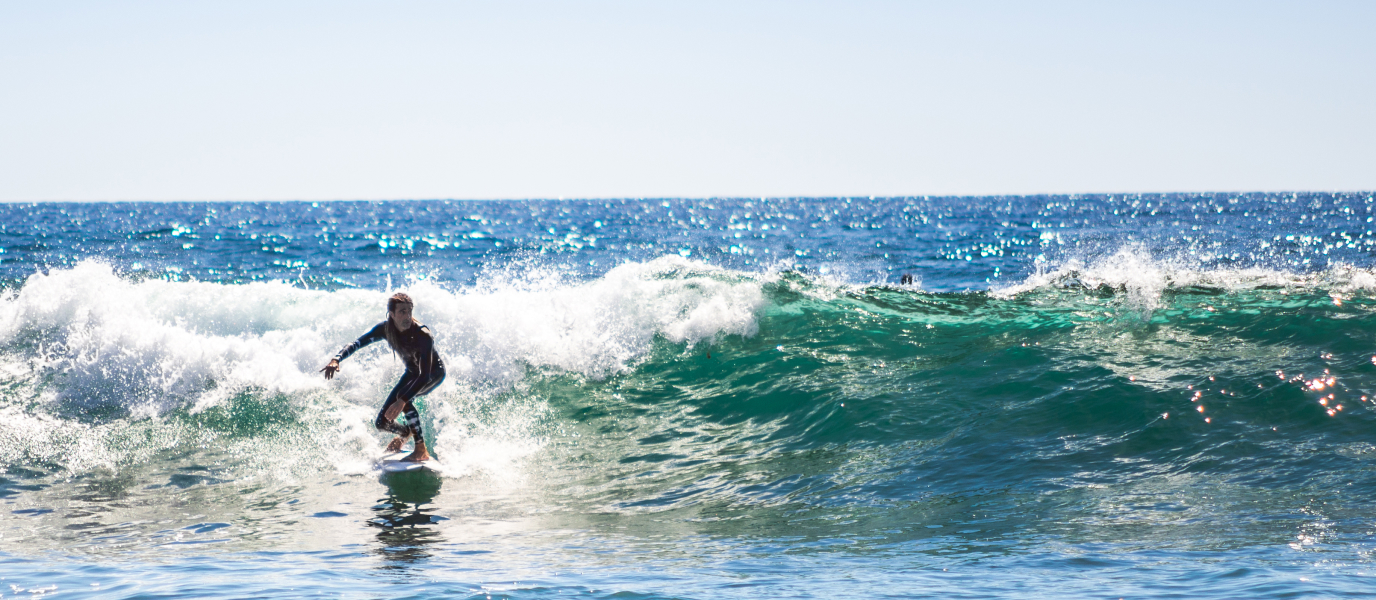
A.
pixel 424 371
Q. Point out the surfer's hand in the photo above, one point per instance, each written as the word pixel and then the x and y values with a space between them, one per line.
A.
pixel 330 369
pixel 393 411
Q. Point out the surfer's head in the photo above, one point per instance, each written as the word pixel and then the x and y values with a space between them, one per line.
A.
pixel 399 317
pixel 399 308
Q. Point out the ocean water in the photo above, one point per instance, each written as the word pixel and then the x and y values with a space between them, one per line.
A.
pixel 1145 396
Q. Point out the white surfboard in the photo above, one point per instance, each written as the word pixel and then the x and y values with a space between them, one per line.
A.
pixel 392 463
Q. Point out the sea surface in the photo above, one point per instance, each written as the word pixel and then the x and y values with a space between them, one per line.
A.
pixel 1100 396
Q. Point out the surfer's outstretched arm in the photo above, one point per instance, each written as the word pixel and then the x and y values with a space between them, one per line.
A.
pixel 378 332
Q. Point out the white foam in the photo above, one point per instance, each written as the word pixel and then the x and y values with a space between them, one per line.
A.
pixel 87 339
pixel 595 328
pixel 1144 278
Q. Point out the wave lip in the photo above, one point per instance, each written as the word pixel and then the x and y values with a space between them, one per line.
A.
pixel 1144 278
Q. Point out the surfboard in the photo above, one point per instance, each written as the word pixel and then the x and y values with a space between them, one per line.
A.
pixel 392 463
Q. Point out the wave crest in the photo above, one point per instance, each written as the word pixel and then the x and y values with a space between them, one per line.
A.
pixel 1145 278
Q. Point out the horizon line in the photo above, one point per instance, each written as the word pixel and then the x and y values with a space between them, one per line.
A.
pixel 699 198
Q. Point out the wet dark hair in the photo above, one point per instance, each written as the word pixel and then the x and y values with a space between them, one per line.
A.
pixel 398 298
pixel 390 330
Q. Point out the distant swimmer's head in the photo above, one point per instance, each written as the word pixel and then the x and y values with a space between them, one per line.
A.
pixel 399 308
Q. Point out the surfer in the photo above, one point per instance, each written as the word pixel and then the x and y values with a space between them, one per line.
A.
pixel 424 372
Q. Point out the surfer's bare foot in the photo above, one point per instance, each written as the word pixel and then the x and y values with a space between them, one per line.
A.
pixel 419 455
pixel 396 444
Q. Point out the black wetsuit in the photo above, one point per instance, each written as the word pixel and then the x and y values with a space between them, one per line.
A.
pixel 424 372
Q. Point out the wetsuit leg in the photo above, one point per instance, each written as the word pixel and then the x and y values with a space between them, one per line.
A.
pixel 410 386
pixel 382 423
pixel 419 388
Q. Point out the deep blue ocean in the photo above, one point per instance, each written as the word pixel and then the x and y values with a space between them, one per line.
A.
pixel 1100 396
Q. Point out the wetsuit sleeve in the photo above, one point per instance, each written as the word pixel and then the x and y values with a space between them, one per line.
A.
pixel 376 333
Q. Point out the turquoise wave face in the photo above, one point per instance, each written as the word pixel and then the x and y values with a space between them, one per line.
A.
pixel 1063 410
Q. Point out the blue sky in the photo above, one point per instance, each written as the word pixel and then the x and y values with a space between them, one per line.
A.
pixel 379 100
